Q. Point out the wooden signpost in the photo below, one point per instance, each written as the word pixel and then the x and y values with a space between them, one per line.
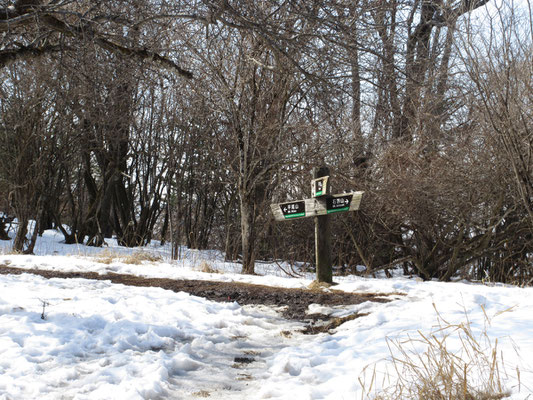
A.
pixel 320 205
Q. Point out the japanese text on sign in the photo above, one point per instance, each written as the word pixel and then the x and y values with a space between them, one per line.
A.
pixel 293 210
pixel 338 204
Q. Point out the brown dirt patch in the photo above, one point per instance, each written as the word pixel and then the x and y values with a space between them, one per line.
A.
pixel 296 301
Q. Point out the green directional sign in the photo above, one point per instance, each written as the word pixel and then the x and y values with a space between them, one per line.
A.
pixel 295 209
pixel 339 203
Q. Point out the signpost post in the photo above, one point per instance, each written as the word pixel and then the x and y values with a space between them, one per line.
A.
pixel 324 271
pixel 319 206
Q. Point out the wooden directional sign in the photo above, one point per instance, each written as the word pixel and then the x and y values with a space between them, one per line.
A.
pixel 317 206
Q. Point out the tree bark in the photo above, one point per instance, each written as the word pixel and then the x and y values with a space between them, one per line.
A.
pixel 3 232
pixel 248 234
pixel 20 238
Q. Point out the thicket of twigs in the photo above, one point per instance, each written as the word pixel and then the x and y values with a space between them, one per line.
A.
pixel 184 121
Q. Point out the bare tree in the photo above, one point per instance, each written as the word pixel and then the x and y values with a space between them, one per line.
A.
pixel 499 63
pixel 33 28
pixel 28 147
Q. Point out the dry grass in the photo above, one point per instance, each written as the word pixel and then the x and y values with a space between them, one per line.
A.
pixel 11 252
pixel 244 377
pixel 140 257
pixel 474 372
pixel 207 268
pixel 202 394
pixel 109 256
pixel 320 286
pixel 106 257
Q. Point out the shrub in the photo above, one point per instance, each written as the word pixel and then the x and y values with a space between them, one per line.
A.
pixel 474 372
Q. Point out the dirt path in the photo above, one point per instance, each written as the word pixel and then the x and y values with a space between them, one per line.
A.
pixel 296 300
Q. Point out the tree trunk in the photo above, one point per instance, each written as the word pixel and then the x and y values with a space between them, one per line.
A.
pixel 20 238
pixel 33 238
pixel 3 232
pixel 164 229
pixel 248 234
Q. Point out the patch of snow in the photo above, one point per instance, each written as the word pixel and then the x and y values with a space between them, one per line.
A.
pixel 100 340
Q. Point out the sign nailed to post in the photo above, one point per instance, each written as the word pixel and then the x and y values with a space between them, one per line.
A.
pixel 320 186
pixel 318 206
pixel 295 209
pixel 339 203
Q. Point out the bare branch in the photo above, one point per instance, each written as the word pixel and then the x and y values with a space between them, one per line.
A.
pixel 8 57
pixel 25 15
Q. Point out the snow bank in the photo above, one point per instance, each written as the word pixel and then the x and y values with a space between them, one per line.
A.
pixel 100 340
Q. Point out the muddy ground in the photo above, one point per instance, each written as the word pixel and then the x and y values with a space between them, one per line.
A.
pixel 295 301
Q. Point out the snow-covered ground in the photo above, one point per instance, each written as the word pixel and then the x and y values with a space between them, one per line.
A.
pixel 87 339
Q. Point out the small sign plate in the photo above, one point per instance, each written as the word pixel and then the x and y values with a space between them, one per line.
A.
pixel 295 209
pixel 319 186
pixel 338 203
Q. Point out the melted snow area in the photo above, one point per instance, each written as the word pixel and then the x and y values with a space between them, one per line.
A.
pixel 87 339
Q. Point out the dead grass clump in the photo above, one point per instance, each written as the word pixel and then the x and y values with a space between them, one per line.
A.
pixel 474 372
pixel 202 394
pixel 11 252
pixel 207 268
pixel 140 256
pixel 244 377
pixel 317 286
pixel 107 257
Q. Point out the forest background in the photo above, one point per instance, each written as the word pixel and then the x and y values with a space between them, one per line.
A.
pixel 183 120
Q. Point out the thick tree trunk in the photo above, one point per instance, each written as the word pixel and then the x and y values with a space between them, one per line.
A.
pixel 20 238
pixel 164 229
pixel 232 240
pixel 248 234
pixel 33 238
pixel 3 232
